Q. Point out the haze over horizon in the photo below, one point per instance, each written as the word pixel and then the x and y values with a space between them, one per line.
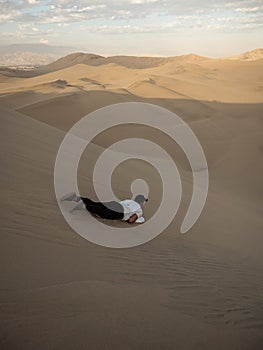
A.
pixel 136 27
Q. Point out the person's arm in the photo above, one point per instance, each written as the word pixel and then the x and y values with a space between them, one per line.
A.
pixel 133 218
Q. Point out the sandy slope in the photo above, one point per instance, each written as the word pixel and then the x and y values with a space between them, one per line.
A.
pixel 202 290
pixel 220 80
pixel 249 55
pixel 134 62
pixel 58 289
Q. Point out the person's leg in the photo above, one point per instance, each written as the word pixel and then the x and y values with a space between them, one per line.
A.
pixel 93 207
pixel 79 206
pixel 97 210
pixel 87 201
pixel 88 204
pixel 107 210
pixel 70 197
pixel 113 210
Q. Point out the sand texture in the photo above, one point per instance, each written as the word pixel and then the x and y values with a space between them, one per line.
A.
pixel 201 290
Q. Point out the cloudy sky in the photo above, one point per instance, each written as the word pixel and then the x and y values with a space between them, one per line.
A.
pixel 141 27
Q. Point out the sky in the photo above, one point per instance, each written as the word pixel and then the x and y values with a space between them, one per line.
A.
pixel 213 28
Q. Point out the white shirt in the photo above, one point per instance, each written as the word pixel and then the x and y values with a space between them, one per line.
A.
pixel 130 208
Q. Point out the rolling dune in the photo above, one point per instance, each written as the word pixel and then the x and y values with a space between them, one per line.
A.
pixel 200 290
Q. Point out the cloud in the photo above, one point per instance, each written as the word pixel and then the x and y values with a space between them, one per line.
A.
pixel 121 15
pixel 249 9
pixel 43 41
pixel 29 2
pixel 181 23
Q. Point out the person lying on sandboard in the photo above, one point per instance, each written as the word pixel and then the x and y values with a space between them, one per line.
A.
pixel 127 210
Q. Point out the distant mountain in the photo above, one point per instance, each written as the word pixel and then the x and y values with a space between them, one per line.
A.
pixel 36 48
pixel 26 59
pixel 26 55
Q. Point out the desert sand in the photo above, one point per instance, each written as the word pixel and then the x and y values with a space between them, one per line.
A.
pixel 201 290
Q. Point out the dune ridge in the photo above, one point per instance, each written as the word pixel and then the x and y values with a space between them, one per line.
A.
pixel 137 62
pixel 202 79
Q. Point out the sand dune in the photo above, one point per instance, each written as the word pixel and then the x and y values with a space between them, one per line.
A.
pixel 194 78
pixel 249 55
pixel 95 60
pixel 134 62
pixel 202 290
pixel 131 62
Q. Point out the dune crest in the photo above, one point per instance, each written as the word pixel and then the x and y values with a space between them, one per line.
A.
pixel 252 55
pixel 191 76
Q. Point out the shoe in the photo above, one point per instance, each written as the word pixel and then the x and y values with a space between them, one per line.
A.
pixel 70 197
pixel 79 206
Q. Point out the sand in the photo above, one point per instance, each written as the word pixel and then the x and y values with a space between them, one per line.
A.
pixel 200 290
